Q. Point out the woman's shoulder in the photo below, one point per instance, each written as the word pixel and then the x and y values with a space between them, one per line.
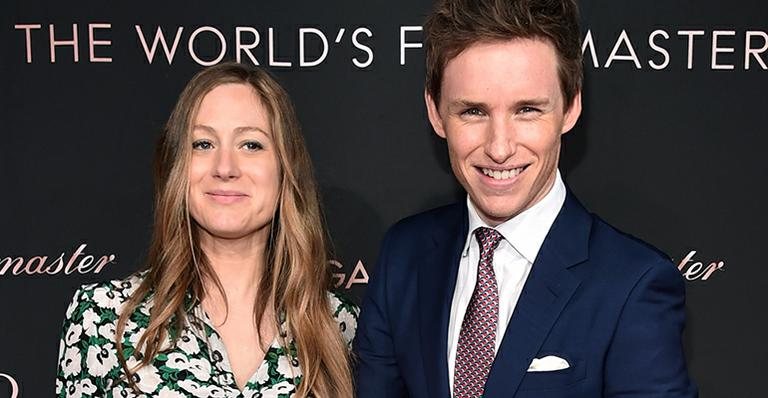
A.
pixel 87 351
pixel 345 312
pixel 108 295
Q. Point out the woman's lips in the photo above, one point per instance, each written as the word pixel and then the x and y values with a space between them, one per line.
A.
pixel 226 197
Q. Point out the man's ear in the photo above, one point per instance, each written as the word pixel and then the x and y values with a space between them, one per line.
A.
pixel 434 115
pixel 572 114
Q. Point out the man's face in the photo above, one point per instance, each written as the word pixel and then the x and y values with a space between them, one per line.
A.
pixel 502 113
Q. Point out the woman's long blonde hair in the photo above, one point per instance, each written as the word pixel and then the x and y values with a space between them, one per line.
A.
pixel 296 275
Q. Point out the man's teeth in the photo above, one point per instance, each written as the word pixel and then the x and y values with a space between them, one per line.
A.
pixel 502 175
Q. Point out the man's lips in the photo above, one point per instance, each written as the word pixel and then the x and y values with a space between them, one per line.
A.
pixel 500 174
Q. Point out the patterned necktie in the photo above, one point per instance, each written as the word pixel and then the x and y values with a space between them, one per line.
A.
pixel 477 339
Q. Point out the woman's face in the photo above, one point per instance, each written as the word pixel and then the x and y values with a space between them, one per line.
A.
pixel 234 176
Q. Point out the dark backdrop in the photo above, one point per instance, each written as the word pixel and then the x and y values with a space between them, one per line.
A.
pixel 669 147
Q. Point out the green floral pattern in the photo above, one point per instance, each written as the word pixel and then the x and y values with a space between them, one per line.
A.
pixel 196 366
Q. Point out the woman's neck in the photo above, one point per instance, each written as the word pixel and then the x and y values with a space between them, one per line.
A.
pixel 238 264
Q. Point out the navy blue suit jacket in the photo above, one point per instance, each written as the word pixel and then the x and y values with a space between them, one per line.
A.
pixel 609 304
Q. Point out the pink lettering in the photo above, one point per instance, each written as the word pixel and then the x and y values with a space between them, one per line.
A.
pixel 28 37
pixel 695 270
pixel 80 262
pixel 92 42
pixel 159 38
pixel 54 43
pixel 9 261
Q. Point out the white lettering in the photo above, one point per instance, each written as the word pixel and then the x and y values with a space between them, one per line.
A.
pixel 318 33
pixel 715 49
pixel 755 52
pixel 339 35
pixel 240 47
pixel 14 385
pixel 589 42
pixel 623 38
pixel 363 47
pixel 191 45
pixel 404 44
pixel 660 50
pixel 272 61
pixel 690 34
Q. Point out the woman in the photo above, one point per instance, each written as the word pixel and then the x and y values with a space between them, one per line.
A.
pixel 234 299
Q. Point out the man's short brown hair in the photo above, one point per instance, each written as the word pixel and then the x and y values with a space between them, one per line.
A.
pixel 455 25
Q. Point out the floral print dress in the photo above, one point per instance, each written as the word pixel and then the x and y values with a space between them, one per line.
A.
pixel 197 366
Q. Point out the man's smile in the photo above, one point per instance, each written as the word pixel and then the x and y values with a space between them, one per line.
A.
pixel 502 174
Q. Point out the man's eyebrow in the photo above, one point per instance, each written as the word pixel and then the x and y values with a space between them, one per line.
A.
pixel 535 101
pixel 464 103
pixel 542 101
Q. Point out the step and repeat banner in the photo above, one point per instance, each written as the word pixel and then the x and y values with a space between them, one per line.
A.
pixel 670 147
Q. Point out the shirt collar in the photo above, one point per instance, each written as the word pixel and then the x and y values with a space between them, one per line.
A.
pixel 526 231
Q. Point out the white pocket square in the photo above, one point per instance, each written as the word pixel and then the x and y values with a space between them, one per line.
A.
pixel 548 364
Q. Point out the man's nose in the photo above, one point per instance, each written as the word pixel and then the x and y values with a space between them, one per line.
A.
pixel 501 140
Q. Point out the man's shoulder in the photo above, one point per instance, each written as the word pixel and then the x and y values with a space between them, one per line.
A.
pixel 614 257
pixel 625 253
pixel 604 239
pixel 605 234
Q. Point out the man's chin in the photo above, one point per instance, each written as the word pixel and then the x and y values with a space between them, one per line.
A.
pixel 495 214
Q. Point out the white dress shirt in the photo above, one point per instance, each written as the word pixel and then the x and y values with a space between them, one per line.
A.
pixel 512 261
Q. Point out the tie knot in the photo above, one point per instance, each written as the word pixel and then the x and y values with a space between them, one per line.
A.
pixel 488 238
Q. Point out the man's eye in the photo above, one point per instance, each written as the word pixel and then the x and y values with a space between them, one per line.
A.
pixel 252 145
pixel 202 145
pixel 528 109
pixel 472 112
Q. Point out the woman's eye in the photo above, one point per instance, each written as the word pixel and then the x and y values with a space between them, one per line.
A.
pixel 253 146
pixel 202 145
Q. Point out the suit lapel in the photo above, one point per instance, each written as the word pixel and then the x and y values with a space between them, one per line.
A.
pixel 436 281
pixel 548 289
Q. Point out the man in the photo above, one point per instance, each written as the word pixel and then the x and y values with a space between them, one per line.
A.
pixel 518 291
